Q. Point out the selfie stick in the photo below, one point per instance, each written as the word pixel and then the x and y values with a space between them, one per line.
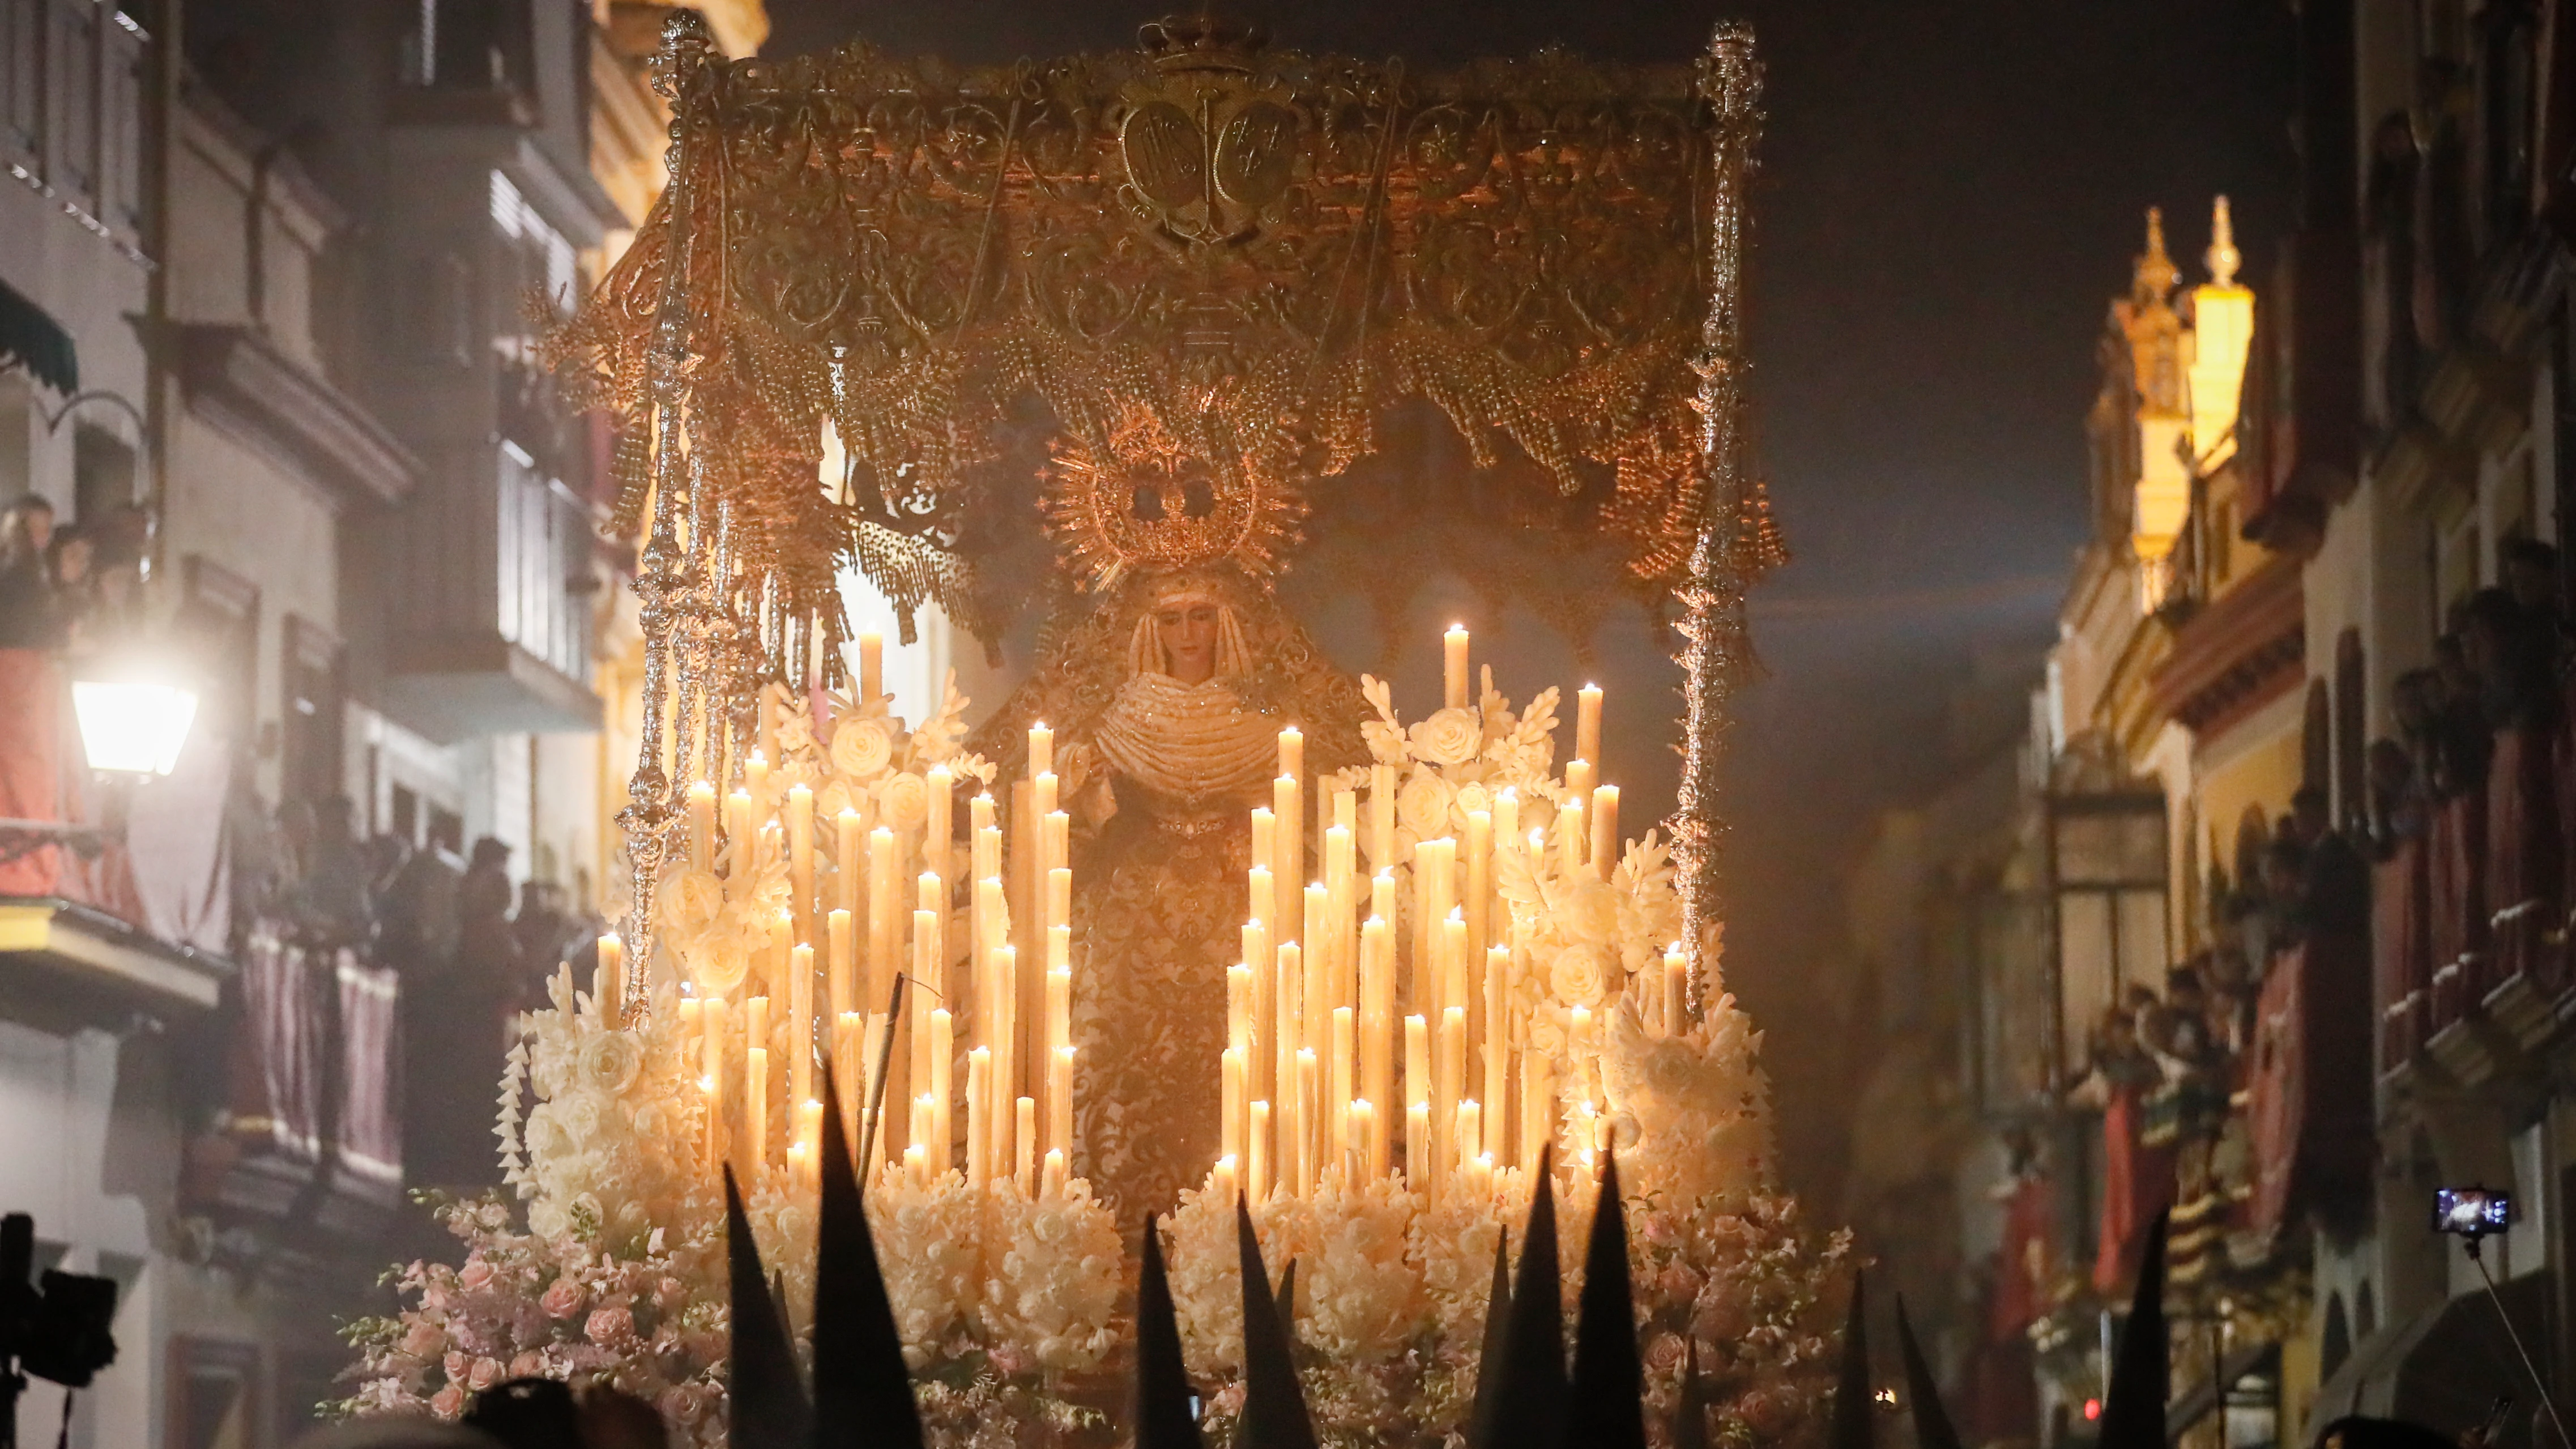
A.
pixel 2542 1388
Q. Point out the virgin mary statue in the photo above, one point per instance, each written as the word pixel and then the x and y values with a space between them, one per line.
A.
pixel 1167 704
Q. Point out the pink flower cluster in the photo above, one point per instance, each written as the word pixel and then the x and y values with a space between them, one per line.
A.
pixel 523 1306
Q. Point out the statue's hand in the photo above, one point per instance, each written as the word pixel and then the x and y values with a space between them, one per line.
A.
pixel 1083 786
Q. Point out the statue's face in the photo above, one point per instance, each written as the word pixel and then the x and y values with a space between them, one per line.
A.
pixel 1188 631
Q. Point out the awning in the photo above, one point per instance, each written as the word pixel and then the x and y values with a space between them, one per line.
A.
pixel 2445 1367
pixel 32 339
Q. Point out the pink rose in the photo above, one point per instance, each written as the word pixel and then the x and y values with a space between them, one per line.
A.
pixel 455 1364
pixel 682 1403
pixel 563 1297
pixel 1008 1360
pixel 423 1339
pixel 448 1402
pixel 484 1374
pixel 475 1274
pixel 610 1327
pixel 529 1365
pixel 1678 1284
pixel 1664 1353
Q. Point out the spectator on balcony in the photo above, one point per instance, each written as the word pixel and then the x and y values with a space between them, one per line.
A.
pixel 487 953
pixel 30 617
pixel 2462 738
pixel 540 935
pixel 331 900
pixel 2398 810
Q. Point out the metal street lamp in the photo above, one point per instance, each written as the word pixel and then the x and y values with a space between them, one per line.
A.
pixel 132 727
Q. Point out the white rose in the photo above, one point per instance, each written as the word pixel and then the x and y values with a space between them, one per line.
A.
pixel 1422 804
pixel 903 801
pixel 1451 737
pixel 582 1115
pixel 609 1062
pixel 1580 975
pixel 718 966
pixel 861 748
pixel 546 1220
pixel 1588 912
pixel 690 904
pixel 1473 796
pixel 545 1134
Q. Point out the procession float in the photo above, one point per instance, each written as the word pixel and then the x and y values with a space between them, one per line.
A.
pixel 1191 918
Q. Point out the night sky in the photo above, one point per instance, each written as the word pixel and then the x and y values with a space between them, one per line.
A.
pixel 1950 196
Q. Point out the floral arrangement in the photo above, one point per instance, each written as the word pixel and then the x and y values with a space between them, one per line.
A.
pixel 1391 1289
pixel 615 1270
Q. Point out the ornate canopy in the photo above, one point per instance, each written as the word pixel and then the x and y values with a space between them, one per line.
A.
pixel 1161 308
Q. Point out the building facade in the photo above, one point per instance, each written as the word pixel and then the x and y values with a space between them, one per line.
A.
pixel 270 283
pixel 2270 931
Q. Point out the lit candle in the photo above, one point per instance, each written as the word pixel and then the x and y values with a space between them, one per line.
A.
pixel 1471 1133
pixel 1056 835
pixel 918 1001
pixel 608 979
pixel 916 1158
pixel 1338 1089
pixel 1059 886
pixel 1538 1106
pixel 1569 836
pixel 1381 841
pixel 1676 991
pixel 1580 775
pixel 1453 671
pixel 1230 1102
pixel 1043 799
pixel 871 670
pixel 1265 838
pixel 702 826
pixel 1060 1099
pixel 979 1116
pixel 1417 1102
pixel 808 1146
pixel 755 1111
pixel 1480 879
pixel 1507 822
pixel 1292 752
pixel 1221 1178
pixel 1257 1174
pixel 1367 1146
pixel 850 1070
pixel 1382 899
pixel 942 1065
pixel 1288 860
pixel 738 833
pixel 1025 1142
pixel 1417 1151
pixel 800 1022
pixel 755 777
pixel 841 938
pixel 1587 723
pixel 1449 1072
pixel 1605 830
pixel 712 1079
pixel 885 919
pixel 938 831
pixel 1041 749
pixel 1055 1172
pixel 1302 1129
pixel 800 851
pixel 1263 893
pixel 847 867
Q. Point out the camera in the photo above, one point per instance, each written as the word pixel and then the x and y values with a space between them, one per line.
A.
pixel 56 1328
pixel 2471 1212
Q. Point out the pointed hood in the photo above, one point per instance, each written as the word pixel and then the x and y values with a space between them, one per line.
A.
pixel 862 1391
pixel 1605 1402
pixel 1163 1417
pixel 2133 1408
pixel 1529 1392
pixel 1489 1357
pixel 770 1410
pixel 1690 1415
pixel 1287 1298
pixel 1932 1427
pixel 1855 1423
pixel 1274 1403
